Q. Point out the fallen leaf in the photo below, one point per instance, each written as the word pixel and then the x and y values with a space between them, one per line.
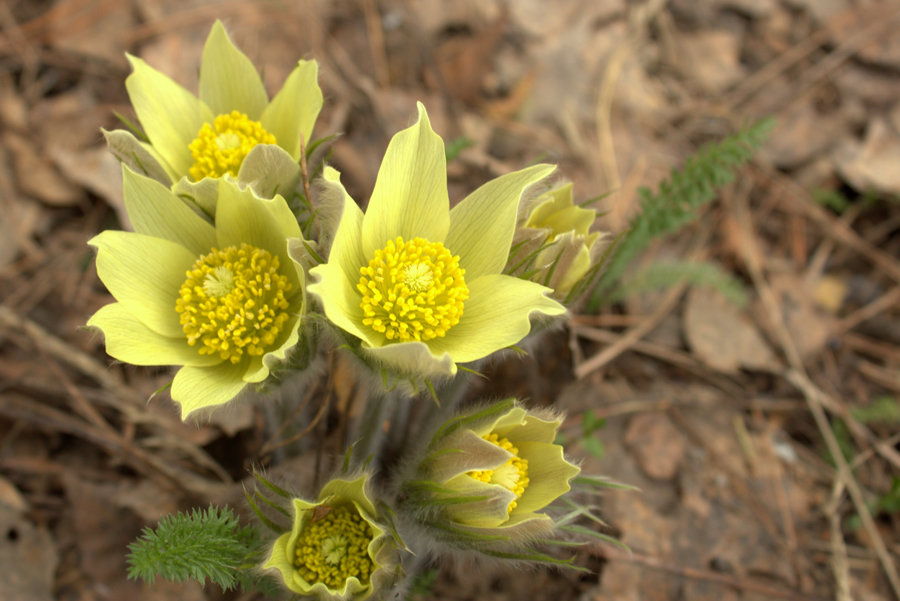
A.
pixel 872 165
pixel 656 445
pixel 723 336
pixel 11 497
pixel 808 327
pixel 13 110
pixel 97 32
pixel 820 10
pixel 711 59
pixel 875 87
pixel 803 133
pixel 883 51
pixel 464 61
pixel 27 554
pixel 95 169
pixel 147 500
pixel 755 9
pixel 37 177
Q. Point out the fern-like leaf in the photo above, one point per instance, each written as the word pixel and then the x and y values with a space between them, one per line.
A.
pixel 200 545
pixel 676 201
pixel 666 274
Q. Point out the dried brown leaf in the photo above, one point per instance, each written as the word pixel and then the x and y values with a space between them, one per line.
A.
pixel 723 336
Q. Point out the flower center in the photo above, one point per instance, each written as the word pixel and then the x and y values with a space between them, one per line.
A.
pixel 233 301
pixel 333 548
pixel 412 290
pixel 512 475
pixel 220 148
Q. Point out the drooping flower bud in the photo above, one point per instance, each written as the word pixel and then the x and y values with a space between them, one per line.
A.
pixel 553 244
pixel 487 477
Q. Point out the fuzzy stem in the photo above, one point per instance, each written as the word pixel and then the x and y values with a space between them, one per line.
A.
pixel 413 566
pixel 369 435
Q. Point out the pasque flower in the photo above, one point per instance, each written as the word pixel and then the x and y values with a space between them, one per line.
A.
pixel 335 548
pixel 224 301
pixel 418 284
pixel 211 134
pixel 553 244
pixel 491 472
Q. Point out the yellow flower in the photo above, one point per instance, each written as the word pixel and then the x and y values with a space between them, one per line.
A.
pixel 210 135
pixel 418 284
pixel 554 245
pixel 335 548
pixel 491 472
pixel 224 301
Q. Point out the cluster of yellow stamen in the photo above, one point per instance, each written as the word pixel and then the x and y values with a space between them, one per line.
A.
pixel 334 547
pixel 412 290
pixel 233 302
pixel 512 475
pixel 220 148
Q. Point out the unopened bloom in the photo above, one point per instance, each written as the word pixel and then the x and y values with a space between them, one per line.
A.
pixel 210 135
pixel 491 472
pixel 418 284
pixel 554 245
pixel 224 301
pixel 335 548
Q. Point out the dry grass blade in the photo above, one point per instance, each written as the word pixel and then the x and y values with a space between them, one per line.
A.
pixel 633 335
pixel 838 548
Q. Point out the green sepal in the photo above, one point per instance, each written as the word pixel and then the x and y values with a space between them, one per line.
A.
pixel 537 556
pixel 466 420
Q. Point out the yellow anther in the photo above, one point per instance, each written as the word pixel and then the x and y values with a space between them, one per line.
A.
pixel 512 475
pixel 233 302
pixel 220 148
pixel 412 290
pixel 335 547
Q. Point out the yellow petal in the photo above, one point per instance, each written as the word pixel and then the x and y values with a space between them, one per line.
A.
pixel 196 388
pixel 144 274
pixel 291 115
pixel 129 340
pixel 170 115
pixel 483 224
pixel 228 80
pixel 496 315
pixel 549 474
pixel 410 195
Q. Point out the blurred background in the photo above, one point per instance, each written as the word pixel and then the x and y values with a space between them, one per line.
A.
pixel 762 434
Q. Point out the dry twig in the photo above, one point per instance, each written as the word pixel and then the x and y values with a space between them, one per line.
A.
pixel 796 375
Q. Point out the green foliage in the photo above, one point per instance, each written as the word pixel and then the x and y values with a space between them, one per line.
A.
pixel 887 504
pixel 670 273
pixel 133 127
pixel 883 410
pixel 200 545
pixel 456 146
pixel 421 586
pixel 675 203
pixel 590 425
pixel 844 441
pixel 890 502
pixel 833 199
pixel 838 202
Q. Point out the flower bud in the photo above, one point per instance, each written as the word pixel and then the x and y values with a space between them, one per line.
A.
pixel 488 474
pixel 553 244
pixel 335 549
